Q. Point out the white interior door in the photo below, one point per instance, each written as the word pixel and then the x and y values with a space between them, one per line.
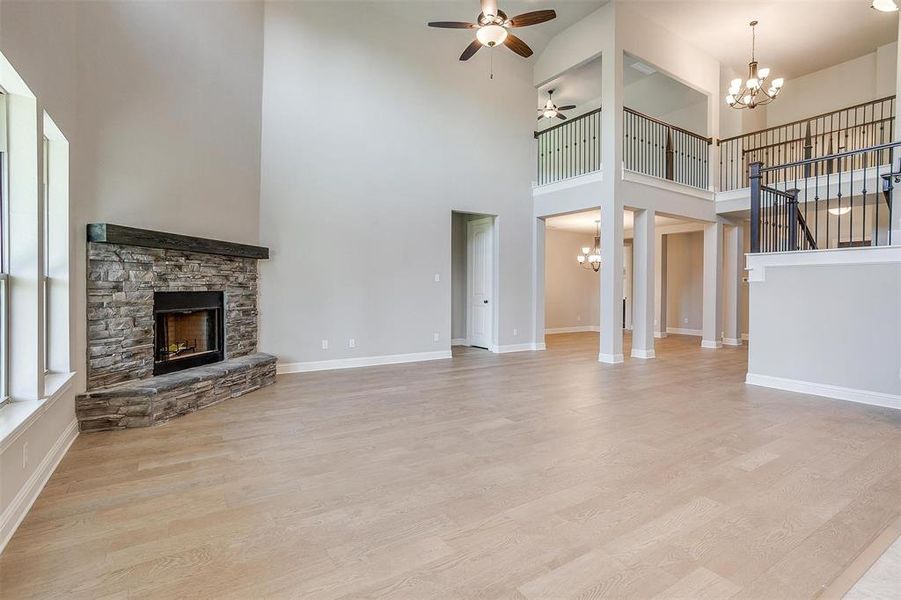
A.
pixel 480 267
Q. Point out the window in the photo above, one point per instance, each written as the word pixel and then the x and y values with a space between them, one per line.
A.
pixel 45 276
pixel 4 259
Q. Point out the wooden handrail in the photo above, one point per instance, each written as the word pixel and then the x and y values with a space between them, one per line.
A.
pixel 806 119
pixel 671 126
pixel 567 122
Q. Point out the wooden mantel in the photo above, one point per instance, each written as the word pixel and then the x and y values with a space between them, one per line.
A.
pixel 107 233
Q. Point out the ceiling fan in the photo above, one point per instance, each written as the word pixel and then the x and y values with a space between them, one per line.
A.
pixel 492 27
pixel 551 110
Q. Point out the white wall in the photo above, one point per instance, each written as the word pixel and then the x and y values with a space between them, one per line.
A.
pixel 858 80
pixel 818 327
pixel 420 135
pixel 571 292
pixel 161 105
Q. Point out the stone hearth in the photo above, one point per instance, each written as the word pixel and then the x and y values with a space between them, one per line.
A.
pixel 126 266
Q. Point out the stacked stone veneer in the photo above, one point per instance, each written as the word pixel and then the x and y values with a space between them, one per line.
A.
pixel 121 388
pixel 121 283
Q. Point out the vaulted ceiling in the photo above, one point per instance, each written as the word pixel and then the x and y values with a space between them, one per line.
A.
pixel 794 37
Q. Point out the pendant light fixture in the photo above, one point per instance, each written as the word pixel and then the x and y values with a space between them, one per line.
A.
pixel 884 5
pixel 756 91
pixel 591 257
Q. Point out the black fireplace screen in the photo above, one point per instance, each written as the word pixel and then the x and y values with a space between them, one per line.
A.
pixel 188 329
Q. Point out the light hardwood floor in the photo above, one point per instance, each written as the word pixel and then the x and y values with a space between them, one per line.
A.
pixel 528 475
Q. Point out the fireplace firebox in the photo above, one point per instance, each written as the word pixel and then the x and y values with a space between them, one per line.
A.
pixel 188 329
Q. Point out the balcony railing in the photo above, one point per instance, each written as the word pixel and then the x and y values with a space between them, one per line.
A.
pixel 853 128
pixel 836 201
pixel 570 149
pixel 656 148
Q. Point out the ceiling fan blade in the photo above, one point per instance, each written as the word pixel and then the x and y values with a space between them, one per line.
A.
pixel 489 7
pixel 561 117
pixel 532 18
pixel 470 50
pixel 567 107
pixel 517 45
pixel 452 25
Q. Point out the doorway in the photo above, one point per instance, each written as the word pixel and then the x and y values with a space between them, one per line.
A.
pixel 474 280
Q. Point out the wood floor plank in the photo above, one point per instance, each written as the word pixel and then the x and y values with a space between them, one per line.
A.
pixel 515 476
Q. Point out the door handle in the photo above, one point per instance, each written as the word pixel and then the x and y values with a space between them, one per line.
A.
pixel 485 301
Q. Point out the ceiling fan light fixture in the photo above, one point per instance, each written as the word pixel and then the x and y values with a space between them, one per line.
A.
pixel 884 5
pixel 491 35
pixel 549 113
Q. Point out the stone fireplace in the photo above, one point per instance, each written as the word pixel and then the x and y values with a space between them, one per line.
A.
pixel 172 326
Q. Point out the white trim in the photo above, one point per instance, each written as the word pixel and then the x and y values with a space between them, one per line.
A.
pixel 14 514
pixel 459 342
pixel 826 390
pixel 364 361
pixel 745 337
pixel 680 331
pixel 529 347
pixel 660 335
pixel 869 255
pixel 610 359
pixel 571 182
pixel 16 416
pixel 645 354
pixel 731 341
pixel 576 329
pixel 665 184
pixel 711 344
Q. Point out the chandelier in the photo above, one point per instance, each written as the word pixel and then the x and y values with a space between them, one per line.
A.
pixel 591 257
pixel 755 91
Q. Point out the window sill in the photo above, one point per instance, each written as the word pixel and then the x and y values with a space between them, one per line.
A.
pixel 17 415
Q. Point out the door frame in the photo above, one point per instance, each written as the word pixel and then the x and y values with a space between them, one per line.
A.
pixel 495 313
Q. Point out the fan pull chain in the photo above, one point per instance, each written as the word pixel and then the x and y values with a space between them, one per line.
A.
pixel 491 63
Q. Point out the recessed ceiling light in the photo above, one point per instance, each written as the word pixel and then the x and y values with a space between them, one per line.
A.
pixel 649 70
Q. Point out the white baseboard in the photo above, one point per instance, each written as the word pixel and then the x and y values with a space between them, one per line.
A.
pixel 647 354
pixel 610 359
pixel 14 514
pixel 826 390
pixel 680 331
pixel 576 329
pixel 711 344
pixel 363 361
pixel 529 347
pixel 659 335
pixel 731 341
pixel 459 342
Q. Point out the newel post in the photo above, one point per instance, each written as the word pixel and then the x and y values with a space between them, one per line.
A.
pixel 754 178
pixel 793 224
pixel 670 154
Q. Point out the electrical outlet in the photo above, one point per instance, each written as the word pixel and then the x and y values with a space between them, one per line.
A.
pixel 685 321
pixel 515 331
pixel 24 455
pixel 351 343
pixel 435 336
pixel 437 277
pixel 325 344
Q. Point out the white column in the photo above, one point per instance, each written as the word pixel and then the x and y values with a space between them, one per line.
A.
pixel 660 287
pixel 713 286
pixel 733 271
pixel 643 254
pixel 611 282
pixel 539 233
pixel 611 279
